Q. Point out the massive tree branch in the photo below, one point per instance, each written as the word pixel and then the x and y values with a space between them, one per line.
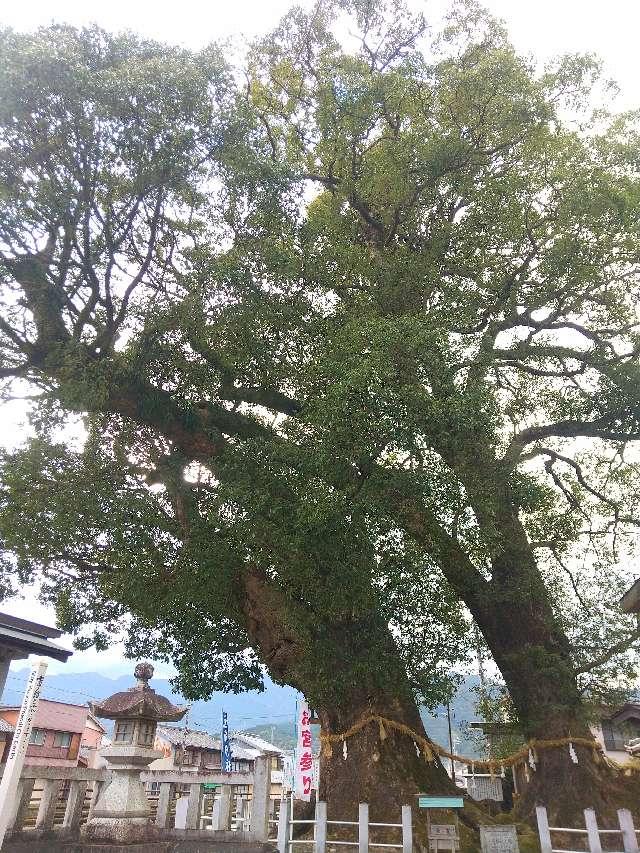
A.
pixel 618 648
pixel 603 428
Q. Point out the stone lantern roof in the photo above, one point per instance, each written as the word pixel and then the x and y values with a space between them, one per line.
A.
pixel 140 702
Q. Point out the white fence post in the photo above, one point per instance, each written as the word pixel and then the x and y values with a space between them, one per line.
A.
pixel 629 838
pixel 543 829
pixel 592 831
pixel 283 824
pixel 407 830
pixel 75 801
pixel 363 828
pixel 321 827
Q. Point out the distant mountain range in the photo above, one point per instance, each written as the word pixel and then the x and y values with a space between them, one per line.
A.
pixel 271 714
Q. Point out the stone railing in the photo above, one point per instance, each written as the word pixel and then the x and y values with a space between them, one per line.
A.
pixel 73 783
pixel 62 798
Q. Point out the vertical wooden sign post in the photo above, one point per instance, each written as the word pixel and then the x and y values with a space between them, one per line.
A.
pixel 18 749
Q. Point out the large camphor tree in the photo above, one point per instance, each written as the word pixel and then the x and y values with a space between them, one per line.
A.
pixel 351 333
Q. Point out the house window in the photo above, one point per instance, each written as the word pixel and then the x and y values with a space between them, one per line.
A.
pixel 124 731
pixel 187 756
pixel 62 739
pixel 37 737
pixel 146 733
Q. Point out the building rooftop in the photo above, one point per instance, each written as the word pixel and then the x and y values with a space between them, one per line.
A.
pixel 31 627
pixel 187 737
pixel 629 711
pixel 256 742
pixel 30 638
pixel 203 740
pixel 55 716
pixel 6 727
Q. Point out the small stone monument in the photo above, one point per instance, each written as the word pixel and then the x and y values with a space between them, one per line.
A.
pixel 122 813
pixel 499 839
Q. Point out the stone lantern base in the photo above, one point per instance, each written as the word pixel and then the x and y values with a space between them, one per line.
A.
pixel 122 814
pixel 143 847
pixel 120 831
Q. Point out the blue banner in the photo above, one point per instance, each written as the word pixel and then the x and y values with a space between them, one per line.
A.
pixel 226 746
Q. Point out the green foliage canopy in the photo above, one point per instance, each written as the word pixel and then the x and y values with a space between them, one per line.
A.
pixel 362 318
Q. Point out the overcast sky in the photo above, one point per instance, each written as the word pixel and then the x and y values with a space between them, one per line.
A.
pixel 542 28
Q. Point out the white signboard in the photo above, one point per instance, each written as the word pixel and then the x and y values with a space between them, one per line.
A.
pixel 288 772
pixel 303 774
pixel 19 744
pixel 499 839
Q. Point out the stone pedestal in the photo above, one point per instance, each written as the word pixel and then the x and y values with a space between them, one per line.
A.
pixel 122 813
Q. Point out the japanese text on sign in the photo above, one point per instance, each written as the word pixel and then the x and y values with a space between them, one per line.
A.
pixel 304 754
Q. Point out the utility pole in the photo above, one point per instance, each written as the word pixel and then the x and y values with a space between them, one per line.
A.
pixel 453 772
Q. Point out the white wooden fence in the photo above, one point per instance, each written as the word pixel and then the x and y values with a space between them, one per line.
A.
pixel 321 826
pixel 627 834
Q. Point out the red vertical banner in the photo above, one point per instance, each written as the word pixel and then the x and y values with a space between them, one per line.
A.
pixel 304 755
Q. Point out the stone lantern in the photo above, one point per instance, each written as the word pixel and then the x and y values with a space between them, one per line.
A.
pixel 122 812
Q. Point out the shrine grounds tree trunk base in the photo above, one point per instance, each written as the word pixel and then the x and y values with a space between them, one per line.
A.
pixel 349 670
pixel 534 658
pixel 566 789
pixel 387 773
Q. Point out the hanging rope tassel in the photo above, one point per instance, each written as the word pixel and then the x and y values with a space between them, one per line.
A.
pixel 344 749
pixel 428 752
pixel 383 731
pixel 526 773
pixel 532 760
pixel 417 749
pixel 502 773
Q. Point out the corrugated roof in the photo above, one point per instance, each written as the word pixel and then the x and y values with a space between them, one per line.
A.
pixel 256 742
pixel 203 740
pixel 245 754
pixel 188 737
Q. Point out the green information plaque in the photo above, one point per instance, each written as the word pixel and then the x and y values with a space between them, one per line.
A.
pixel 440 802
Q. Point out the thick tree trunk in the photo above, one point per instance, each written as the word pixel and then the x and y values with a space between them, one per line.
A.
pixel 532 651
pixel 534 658
pixel 386 772
pixel 347 671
